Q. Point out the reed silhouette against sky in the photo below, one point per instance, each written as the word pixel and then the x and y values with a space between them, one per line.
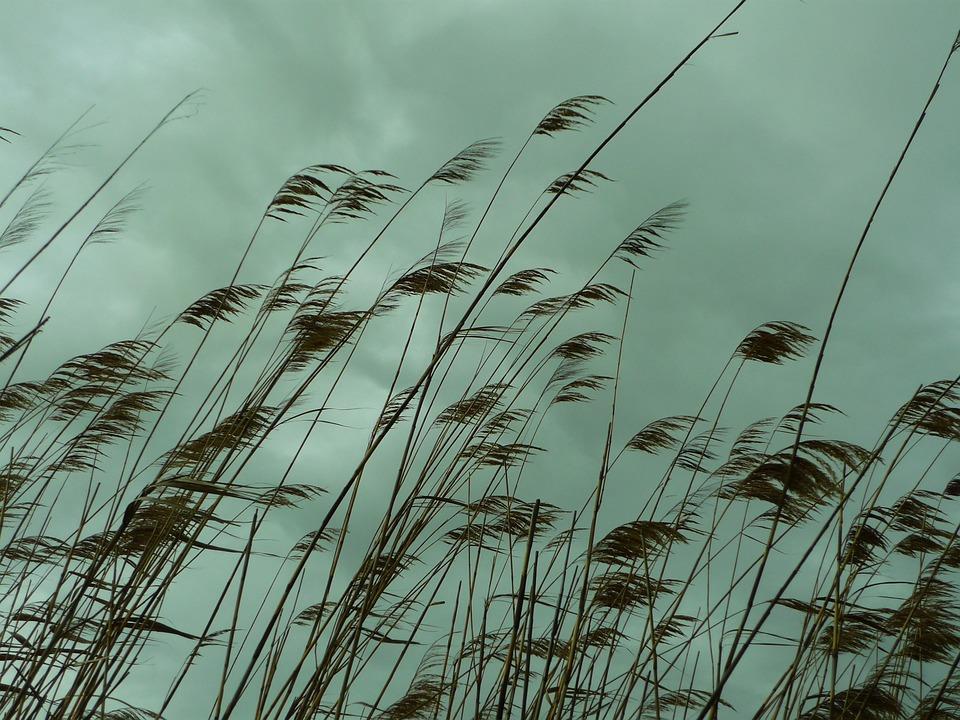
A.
pixel 374 379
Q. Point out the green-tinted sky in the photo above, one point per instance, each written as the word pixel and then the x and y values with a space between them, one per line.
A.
pixel 780 137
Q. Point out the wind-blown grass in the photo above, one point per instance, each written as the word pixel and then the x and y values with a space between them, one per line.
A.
pixel 470 593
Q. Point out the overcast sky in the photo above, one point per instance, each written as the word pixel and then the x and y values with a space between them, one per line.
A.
pixel 780 138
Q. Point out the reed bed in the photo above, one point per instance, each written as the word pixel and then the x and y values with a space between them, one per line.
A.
pixel 441 578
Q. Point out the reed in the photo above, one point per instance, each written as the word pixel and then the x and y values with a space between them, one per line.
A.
pixel 439 580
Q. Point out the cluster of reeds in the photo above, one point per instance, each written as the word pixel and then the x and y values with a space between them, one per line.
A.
pixel 831 565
